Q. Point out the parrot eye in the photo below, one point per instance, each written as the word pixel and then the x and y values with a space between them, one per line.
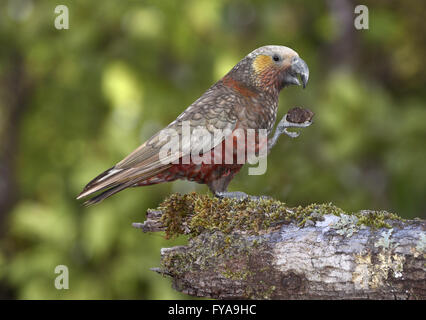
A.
pixel 276 58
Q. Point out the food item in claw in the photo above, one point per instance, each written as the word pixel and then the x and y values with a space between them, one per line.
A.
pixel 299 115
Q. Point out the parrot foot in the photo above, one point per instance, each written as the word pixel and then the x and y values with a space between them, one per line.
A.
pixel 284 124
pixel 295 118
pixel 238 195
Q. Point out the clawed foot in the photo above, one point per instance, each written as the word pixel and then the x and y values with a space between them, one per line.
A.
pixel 284 124
pixel 239 195
pixel 295 118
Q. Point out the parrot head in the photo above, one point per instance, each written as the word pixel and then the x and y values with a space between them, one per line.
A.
pixel 271 68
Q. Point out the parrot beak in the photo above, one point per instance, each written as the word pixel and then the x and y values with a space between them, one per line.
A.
pixel 298 68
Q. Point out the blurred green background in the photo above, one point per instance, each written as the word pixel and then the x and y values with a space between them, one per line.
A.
pixel 74 102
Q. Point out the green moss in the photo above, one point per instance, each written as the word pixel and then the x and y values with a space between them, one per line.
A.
pixel 266 294
pixel 237 275
pixel 214 226
pixel 237 259
pixel 315 212
pixel 376 219
pixel 203 213
pixel 212 250
pixel 198 213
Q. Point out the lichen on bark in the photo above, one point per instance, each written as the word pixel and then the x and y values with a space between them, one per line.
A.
pixel 264 249
pixel 195 213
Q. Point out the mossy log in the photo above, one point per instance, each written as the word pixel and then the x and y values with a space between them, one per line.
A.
pixel 262 249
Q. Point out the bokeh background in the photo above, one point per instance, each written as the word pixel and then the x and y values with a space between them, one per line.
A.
pixel 74 102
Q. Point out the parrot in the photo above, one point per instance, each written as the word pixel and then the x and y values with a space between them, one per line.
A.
pixel 245 98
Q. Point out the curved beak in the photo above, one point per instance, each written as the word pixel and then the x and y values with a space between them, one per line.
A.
pixel 298 68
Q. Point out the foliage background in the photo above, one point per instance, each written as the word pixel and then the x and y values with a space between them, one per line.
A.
pixel 74 102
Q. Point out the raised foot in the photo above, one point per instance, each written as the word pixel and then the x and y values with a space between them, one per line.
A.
pixel 284 124
pixel 295 118
pixel 239 195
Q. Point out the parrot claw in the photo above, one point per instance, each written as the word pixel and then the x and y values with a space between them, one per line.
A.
pixel 291 134
pixel 285 124
pixel 283 127
pixel 238 195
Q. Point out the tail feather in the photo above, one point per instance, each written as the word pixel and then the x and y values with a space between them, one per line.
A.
pixel 92 186
pixel 108 193
pixel 114 180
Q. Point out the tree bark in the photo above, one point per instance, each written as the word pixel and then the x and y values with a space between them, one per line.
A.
pixel 329 256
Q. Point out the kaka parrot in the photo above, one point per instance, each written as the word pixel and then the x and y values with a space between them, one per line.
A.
pixel 245 98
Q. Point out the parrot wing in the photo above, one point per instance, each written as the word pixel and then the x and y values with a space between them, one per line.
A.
pixel 214 110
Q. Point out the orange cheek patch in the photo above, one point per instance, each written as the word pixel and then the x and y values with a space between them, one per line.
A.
pixel 261 63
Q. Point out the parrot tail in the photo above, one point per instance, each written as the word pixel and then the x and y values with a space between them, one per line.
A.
pixel 115 180
pixel 94 184
pixel 108 193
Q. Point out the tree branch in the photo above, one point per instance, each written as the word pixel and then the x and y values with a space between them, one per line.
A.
pixel 263 249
